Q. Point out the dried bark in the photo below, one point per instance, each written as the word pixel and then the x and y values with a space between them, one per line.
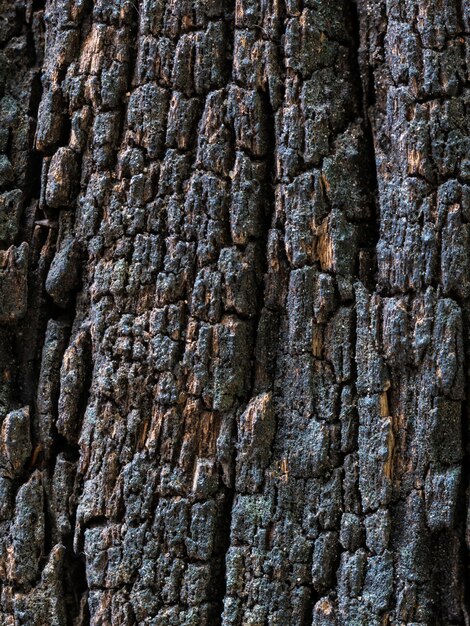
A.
pixel 234 312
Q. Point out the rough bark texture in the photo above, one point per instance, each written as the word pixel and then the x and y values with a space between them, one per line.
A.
pixel 234 312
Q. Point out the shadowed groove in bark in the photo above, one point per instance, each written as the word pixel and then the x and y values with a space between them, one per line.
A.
pixel 268 209
pixel 366 88
pixel 28 341
pixel 39 5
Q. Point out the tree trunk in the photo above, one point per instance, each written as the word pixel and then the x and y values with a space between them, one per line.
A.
pixel 235 312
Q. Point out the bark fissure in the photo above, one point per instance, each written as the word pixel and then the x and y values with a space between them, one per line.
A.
pixel 367 271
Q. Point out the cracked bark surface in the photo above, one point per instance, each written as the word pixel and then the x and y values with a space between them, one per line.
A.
pixel 234 312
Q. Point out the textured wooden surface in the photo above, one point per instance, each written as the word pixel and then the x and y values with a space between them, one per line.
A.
pixel 234 312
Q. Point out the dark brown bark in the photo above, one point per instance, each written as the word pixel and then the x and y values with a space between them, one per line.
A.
pixel 234 312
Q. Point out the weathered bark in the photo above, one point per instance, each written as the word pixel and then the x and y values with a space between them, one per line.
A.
pixel 234 312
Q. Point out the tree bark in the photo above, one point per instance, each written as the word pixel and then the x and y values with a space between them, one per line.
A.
pixel 234 312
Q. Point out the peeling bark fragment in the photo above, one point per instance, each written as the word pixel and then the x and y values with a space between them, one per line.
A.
pixel 13 283
pixel 28 532
pixel 10 215
pixel 15 447
pixel 73 378
pixel 61 179
pixel 48 384
pixel 256 428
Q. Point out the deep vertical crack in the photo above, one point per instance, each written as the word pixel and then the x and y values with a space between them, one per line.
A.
pixel 364 74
